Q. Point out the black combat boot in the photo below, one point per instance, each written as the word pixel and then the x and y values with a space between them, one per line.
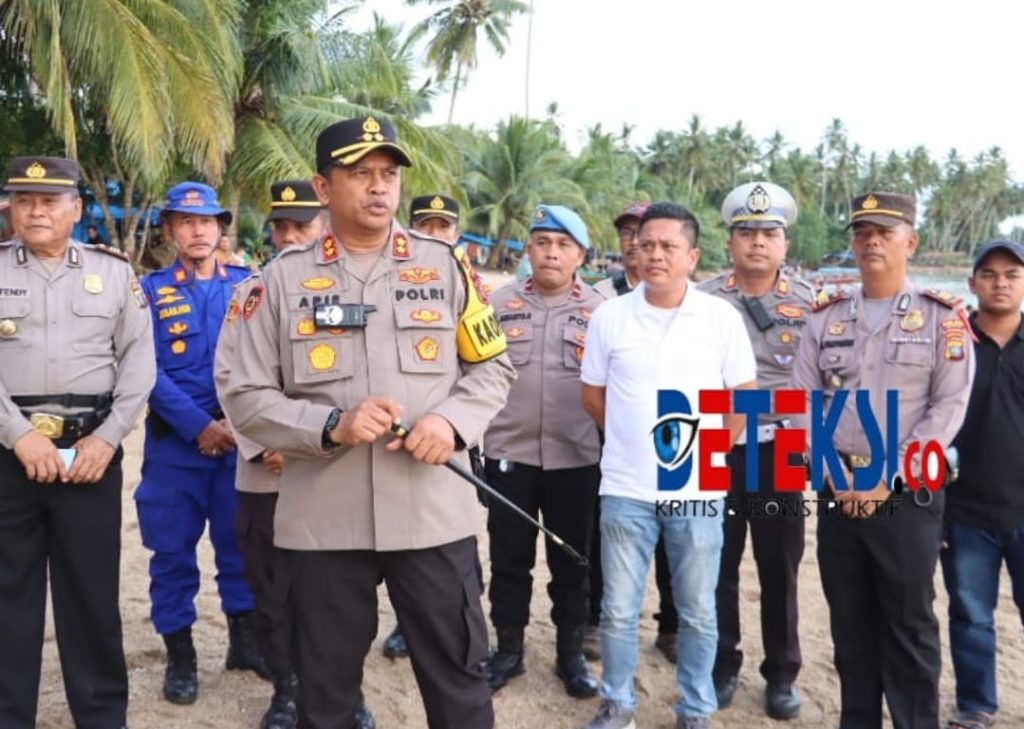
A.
pixel 181 682
pixel 507 661
pixel 282 713
pixel 243 654
pixel 571 666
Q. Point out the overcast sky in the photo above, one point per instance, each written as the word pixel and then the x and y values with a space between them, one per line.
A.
pixel 898 73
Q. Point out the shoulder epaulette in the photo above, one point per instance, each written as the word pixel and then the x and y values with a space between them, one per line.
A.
pixel 5 243
pixel 115 252
pixel 293 249
pixel 834 298
pixel 945 298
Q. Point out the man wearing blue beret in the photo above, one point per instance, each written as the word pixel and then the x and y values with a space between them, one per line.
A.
pixel 188 469
pixel 542 450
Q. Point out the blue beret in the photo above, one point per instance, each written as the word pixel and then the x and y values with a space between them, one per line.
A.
pixel 563 220
pixel 195 198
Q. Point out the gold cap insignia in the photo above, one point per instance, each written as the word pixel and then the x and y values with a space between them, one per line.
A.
pixel 437 203
pixel 870 203
pixel 35 171
pixel 758 201
pixel 371 129
pixel 287 194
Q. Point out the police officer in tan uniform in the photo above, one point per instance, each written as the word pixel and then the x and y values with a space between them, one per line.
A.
pixel 296 218
pixel 78 363
pixel 542 451
pixel 877 548
pixel 343 338
pixel 774 308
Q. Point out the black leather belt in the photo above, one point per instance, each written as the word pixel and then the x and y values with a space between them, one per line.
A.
pixel 65 429
pixel 67 400
pixel 158 427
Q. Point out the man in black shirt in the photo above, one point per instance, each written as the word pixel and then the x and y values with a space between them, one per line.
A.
pixel 985 505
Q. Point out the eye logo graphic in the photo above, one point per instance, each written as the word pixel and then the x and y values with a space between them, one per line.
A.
pixel 673 437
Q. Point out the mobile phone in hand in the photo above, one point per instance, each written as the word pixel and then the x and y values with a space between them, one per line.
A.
pixel 68 456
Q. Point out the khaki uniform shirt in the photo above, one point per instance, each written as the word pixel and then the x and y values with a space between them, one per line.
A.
pixel 82 329
pixel 544 423
pixel 789 303
pixel 250 475
pixel 287 376
pixel 923 351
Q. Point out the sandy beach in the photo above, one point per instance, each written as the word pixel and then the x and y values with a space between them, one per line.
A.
pixel 230 700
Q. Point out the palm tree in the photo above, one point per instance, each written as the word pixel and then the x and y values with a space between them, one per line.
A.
pixel 303 72
pixel 130 88
pixel 456 28
pixel 521 164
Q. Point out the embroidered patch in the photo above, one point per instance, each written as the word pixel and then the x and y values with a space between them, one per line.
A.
pixel 426 316
pixel 789 311
pixel 418 275
pixel 252 302
pixel 178 346
pixel 305 327
pixel 427 349
pixel 318 283
pixel 178 327
pixel 322 357
pixel 515 304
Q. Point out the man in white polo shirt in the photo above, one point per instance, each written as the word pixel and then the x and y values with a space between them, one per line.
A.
pixel 649 355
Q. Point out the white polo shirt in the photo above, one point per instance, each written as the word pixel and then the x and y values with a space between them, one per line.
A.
pixel 634 350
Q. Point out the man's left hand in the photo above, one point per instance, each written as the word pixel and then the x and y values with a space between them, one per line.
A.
pixel 431 440
pixel 91 461
pixel 862 504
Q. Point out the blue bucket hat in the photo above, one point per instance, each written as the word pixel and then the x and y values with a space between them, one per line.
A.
pixel 562 219
pixel 195 198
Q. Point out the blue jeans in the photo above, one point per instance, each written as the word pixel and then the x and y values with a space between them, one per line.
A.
pixel 970 565
pixel 693 542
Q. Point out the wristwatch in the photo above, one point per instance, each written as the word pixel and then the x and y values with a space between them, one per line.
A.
pixel 330 425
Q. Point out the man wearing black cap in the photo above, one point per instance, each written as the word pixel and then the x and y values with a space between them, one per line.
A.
pixel 878 544
pixel 985 504
pixel 371 326
pixel 435 216
pixel 77 357
pixel 188 469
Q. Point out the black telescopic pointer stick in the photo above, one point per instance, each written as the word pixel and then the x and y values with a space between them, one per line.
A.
pixel 402 431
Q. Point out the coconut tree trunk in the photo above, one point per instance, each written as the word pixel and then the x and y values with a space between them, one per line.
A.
pixel 455 90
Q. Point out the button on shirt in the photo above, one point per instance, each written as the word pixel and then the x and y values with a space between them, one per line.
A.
pixel 989 493
pixel 543 423
pixel 634 350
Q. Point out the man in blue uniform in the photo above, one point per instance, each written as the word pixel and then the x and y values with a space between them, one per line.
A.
pixel 188 471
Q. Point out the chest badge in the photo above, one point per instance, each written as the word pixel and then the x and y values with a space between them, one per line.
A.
pixel 837 329
pixel 322 357
pixel 8 328
pixel 912 321
pixel 178 346
pixel 92 283
pixel 427 349
pixel 178 327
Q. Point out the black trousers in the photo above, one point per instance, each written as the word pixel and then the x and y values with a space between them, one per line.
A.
pixel 776 523
pixel 75 531
pixel 436 594
pixel 666 617
pixel 878 577
pixel 565 498
pixel 266 571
